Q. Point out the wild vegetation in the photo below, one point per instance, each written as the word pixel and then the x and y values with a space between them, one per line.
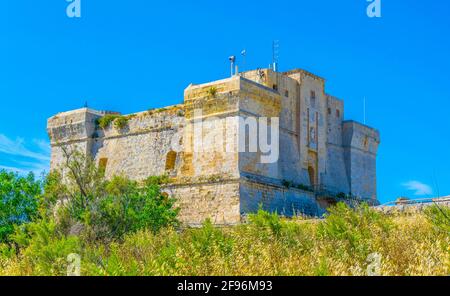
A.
pixel 121 227
pixel 119 121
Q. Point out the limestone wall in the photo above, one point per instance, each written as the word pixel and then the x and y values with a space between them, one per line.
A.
pixel 141 149
pixel 313 129
pixel 303 128
pixel 360 144
pixel 255 102
pixel 74 128
pixel 211 135
pixel 217 201
pixel 336 174
pixel 276 198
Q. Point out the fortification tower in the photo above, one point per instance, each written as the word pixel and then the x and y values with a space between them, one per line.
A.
pixel 205 146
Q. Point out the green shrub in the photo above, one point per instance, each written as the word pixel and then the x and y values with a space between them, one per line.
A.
pixel 304 187
pixel 54 190
pixel 124 208
pixel 157 180
pixel 106 120
pixel 353 229
pixel 121 122
pixel 287 184
pixel 43 249
pixel 209 239
pixel 265 220
pixel 212 91
pixel 102 210
pixel 120 185
pixel 291 184
pixel 160 110
pixel 341 195
pixel 134 209
pixel 6 252
pixel 18 201
pixel 439 216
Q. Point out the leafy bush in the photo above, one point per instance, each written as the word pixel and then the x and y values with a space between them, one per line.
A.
pixel 439 216
pixel 121 122
pixel 212 91
pixel 98 209
pixel 18 201
pixel 291 184
pixel 157 180
pixel 128 208
pixel 353 229
pixel 341 195
pixel 106 120
pixel 44 249
pixel 265 220
pixel 209 239
pixel 287 184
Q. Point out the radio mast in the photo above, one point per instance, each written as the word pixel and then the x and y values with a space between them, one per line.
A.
pixel 275 55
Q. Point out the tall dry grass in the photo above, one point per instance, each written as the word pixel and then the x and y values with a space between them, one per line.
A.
pixel 341 244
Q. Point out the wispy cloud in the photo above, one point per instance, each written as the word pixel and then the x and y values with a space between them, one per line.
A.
pixel 27 158
pixel 17 148
pixel 12 169
pixel 44 146
pixel 419 188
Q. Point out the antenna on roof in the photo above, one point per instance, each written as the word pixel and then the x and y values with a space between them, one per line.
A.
pixel 275 55
pixel 232 60
pixel 364 109
pixel 243 54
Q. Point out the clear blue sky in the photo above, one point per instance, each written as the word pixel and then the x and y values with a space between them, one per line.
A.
pixel 134 55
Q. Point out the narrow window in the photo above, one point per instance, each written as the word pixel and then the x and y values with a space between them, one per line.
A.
pixel 329 111
pixel 275 87
pixel 338 113
pixel 103 162
pixel 313 99
pixel 366 142
pixel 171 159
pixel 286 93
pixel 312 176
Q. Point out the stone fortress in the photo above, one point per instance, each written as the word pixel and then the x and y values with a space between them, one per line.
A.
pixel 322 158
